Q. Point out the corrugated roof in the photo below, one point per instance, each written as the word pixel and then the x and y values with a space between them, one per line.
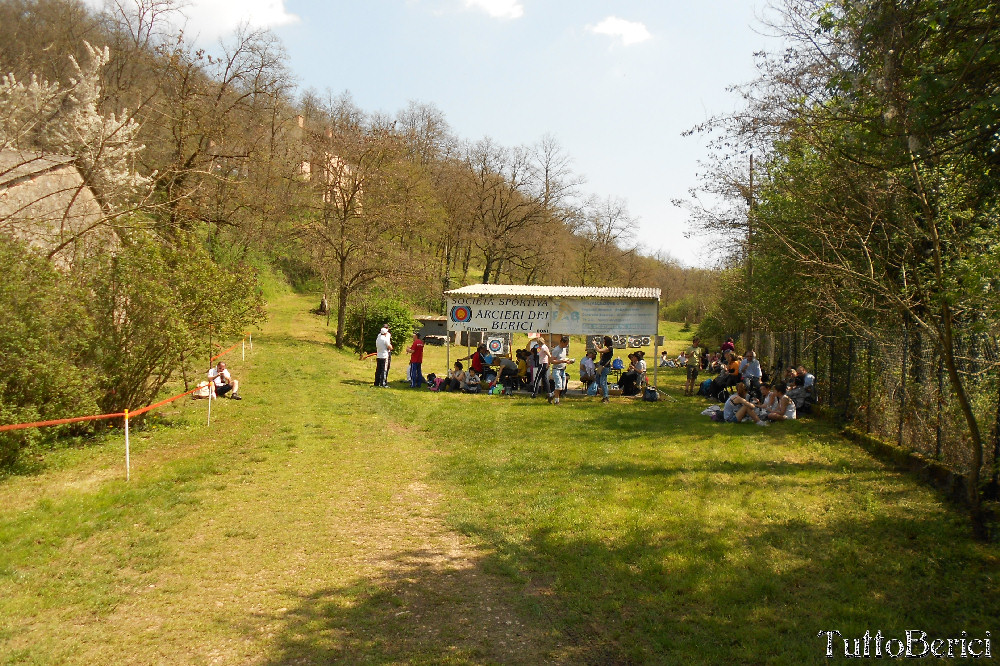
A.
pixel 546 291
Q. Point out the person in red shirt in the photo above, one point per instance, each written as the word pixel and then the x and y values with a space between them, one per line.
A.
pixel 416 350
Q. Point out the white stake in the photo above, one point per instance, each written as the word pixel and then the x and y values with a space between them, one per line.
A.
pixel 211 397
pixel 251 342
pixel 128 465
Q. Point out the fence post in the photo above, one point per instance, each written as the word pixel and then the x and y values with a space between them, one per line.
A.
pixel 128 464
pixel 902 385
pixel 868 409
pixel 940 404
pixel 833 350
pixel 850 371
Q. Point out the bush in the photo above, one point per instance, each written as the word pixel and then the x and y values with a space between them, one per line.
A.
pixel 374 314
pixel 156 306
pixel 46 349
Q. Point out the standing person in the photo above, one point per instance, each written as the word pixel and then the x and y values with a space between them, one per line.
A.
pixel 750 372
pixel 383 348
pixel 694 351
pixel 388 360
pixel 542 369
pixel 559 360
pixel 416 349
pixel 607 352
pixel 728 346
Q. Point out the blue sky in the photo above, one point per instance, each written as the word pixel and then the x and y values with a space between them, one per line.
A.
pixel 615 82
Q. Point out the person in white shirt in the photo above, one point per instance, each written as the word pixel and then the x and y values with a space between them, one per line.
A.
pixel 808 383
pixel 682 360
pixel 542 370
pixel 559 360
pixel 750 373
pixel 383 349
pixel 223 382
pixel 784 408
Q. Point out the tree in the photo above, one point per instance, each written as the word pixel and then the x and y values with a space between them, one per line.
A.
pixel 357 205
pixel 505 205
pixel 880 125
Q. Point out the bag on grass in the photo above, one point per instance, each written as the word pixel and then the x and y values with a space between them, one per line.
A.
pixel 650 394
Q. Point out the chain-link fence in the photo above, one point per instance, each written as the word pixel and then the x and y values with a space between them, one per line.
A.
pixel 897 388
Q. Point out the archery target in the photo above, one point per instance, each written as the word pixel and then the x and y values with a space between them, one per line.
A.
pixel 461 314
pixel 495 345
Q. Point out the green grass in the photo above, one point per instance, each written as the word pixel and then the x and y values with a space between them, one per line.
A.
pixel 323 520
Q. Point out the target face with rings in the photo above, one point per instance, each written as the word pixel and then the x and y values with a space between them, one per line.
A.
pixel 495 346
pixel 461 313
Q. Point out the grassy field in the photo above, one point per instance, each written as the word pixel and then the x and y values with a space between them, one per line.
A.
pixel 323 520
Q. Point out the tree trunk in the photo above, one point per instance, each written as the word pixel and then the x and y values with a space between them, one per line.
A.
pixel 341 303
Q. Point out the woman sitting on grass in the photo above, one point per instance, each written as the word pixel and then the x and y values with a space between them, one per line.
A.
pixel 784 407
pixel 738 408
pixel 456 378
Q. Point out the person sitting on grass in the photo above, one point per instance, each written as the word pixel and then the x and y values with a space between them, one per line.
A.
pixel 456 378
pixel 472 382
pixel 784 407
pixel 223 382
pixel 682 360
pixel 664 361
pixel 629 381
pixel 738 408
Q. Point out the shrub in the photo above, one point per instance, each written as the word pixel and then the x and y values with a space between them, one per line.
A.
pixel 373 314
pixel 46 349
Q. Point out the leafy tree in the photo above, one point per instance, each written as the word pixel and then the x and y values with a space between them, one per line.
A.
pixel 365 320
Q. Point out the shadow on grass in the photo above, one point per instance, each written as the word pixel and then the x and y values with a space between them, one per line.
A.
pixel 419 608
pixel 754 467
pixel 705 595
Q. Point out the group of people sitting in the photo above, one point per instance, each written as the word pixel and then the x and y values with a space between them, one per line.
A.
pixel 772 405
pixel 680 362
pixel 536 368
pixel 732 370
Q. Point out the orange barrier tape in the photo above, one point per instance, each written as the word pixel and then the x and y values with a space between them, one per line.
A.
pixel 75 419
pixel 97 417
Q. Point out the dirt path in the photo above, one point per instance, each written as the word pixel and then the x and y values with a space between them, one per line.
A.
pixel 320 539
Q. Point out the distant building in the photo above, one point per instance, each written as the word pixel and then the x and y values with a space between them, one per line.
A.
pixel 45 202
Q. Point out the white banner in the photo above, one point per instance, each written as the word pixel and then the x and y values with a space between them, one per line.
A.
pixel 557 315
pixel 611 317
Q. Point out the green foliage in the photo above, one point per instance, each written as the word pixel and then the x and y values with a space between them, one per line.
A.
pixel 373 314
pixel 156 306
pixel 46 367
pixel 691 308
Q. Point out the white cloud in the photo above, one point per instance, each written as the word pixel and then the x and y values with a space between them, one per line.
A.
pixel 502 9
pixel 207 20
pixel 630 32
